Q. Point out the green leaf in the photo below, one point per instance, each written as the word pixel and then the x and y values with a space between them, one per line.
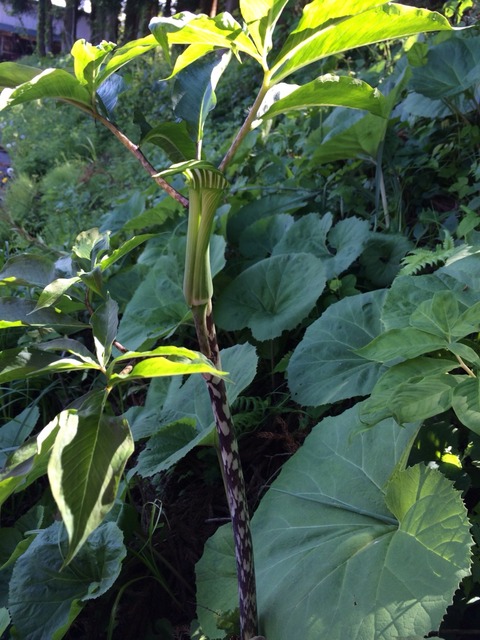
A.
pixel 223 32
pixel 88 245
pixel 14 432
pixel 180 416
pixel 45 597
pixel 261 18
pixel 12 74
pixel 124 249
pixel 325 367
pixel 193 93
pixel 4 620
pixel 330 90
pixel 451 68
pixel 468 322
pixel 158 307
pixel 162 361
pixel 87 59
pixel 54 291
pixel 323 31
pixel 466 403
pixel 174 139
pixel 124 54
pixel 267 297
pixel 51 83
pixel 24 310
pixel 69 345
pixel 259 239
pixel 28 269
pixel 438 315
pixel 422 399
pixel 263 207
pixel 380 404
pixel 104 323
pixel 388 551
pixel 86 463
pixel 21 362
pixel 408 292
pixel 402 343
pixel 310 233
pixel 29 462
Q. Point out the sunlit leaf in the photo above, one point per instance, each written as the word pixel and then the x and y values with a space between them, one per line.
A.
pixel 54 291
pixel 124 54
pixel 261 17
pixel 314 38
pixel 51 83
pixel 331 90
pixel 223 31
pixel 12 74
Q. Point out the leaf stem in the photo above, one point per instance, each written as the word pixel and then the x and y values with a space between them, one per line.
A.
pixel 136 151
pixel 246 126
pixel 465 367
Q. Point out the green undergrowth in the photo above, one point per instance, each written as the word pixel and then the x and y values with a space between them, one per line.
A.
pixel 345 263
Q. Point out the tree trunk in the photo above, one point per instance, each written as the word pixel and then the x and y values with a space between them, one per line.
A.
pixel 41 23
pixel 104 20
pixel 69 34
pixel 48 27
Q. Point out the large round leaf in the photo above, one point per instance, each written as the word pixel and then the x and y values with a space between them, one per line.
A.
pixel 45 598
pixel 324 367
pixel 272 296
pixel 348 543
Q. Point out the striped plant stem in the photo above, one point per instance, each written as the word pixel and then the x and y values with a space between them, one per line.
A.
pixel 232 475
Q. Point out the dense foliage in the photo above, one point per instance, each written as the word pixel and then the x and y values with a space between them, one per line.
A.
pixel 346 291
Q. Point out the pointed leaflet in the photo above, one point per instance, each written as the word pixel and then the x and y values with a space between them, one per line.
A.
pixel 104 323
pixel 87 461
pixel 173 138
pixel 388 551
pixel 261 17
pixel 22 362
pixel 125 54
pixel 330 90
pixel 51 83
pixel 314 39
pixel 223 32
pixel 54 291
pixel 162 361
pixel 12 74
pixel 87 59
pixel 193 94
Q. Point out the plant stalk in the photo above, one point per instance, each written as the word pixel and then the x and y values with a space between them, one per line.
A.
pixel 231 466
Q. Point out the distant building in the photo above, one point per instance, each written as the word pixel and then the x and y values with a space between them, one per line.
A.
pixel 18 34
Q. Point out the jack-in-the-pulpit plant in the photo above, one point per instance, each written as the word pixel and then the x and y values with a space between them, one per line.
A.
pixel 199 48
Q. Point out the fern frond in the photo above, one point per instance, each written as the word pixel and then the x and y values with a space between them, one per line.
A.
pixel 249 412
pixel 418 259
